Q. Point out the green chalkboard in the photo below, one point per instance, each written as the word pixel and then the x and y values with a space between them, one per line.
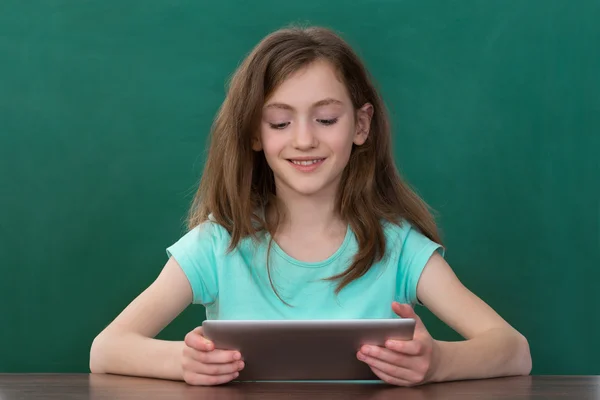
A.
pixel 104 114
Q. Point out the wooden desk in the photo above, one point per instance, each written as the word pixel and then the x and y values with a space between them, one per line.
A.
pixel 101 387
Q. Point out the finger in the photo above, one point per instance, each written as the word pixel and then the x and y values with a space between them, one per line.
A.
pixel 390 379
pixel 404 310
pixel 395 371
pixel 198 330
pixel 195 340
pixel 209 380
pixel 217 356
pixel 385 355
pixel 407 347
pixel 216 369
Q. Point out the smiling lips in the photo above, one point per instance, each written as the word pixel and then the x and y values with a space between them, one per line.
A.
pixel 305 164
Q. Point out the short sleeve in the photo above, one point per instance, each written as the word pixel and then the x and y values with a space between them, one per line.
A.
pixel 416 250
pixel 195 253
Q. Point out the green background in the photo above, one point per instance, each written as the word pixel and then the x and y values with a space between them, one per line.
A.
pixel 105 107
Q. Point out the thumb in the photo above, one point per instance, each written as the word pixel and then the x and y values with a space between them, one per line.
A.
pixel 196 340
pixel 198 330
pixel 404 310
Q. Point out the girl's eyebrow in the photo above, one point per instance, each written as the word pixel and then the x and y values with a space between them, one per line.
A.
pixel 320 103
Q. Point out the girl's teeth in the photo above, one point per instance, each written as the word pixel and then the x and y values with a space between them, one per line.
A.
pixel 309 162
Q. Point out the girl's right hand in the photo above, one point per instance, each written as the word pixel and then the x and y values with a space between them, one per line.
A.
pixel 204 365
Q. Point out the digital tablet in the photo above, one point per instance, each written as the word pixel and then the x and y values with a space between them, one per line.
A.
pixel 305 349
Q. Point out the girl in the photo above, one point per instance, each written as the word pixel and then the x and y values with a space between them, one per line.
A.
pixel 301 214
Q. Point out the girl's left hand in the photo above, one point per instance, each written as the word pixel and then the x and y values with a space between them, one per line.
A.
pixel 403 363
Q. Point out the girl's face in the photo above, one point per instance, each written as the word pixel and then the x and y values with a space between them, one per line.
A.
pixel 308 128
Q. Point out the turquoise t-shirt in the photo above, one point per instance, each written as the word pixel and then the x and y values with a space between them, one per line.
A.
pixel 235 285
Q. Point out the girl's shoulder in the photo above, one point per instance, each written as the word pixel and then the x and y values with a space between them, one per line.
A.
pixel 211 234
pixel 206 235
pixel 405 237
pixel 398 229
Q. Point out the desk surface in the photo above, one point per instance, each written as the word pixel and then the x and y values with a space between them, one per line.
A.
pixel 100 387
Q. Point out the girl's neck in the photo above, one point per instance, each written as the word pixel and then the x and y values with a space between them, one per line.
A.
pixel 306 215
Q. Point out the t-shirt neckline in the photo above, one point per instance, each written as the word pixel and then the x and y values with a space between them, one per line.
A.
pixel 314 264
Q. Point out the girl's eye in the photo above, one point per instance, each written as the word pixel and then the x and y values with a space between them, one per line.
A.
pixel 279 126
pixel 327 122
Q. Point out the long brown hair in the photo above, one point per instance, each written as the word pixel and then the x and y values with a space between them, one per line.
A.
pixel 237 184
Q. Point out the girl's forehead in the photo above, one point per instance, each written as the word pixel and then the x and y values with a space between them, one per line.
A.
pixel 309 85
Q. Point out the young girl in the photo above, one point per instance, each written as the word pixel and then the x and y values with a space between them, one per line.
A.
pixel 301 214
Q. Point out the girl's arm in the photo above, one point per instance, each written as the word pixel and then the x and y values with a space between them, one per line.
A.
pixel 127 346
pixel 492 347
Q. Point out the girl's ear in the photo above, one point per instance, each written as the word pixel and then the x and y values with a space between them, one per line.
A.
pixel 256 144
pixel 363 123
